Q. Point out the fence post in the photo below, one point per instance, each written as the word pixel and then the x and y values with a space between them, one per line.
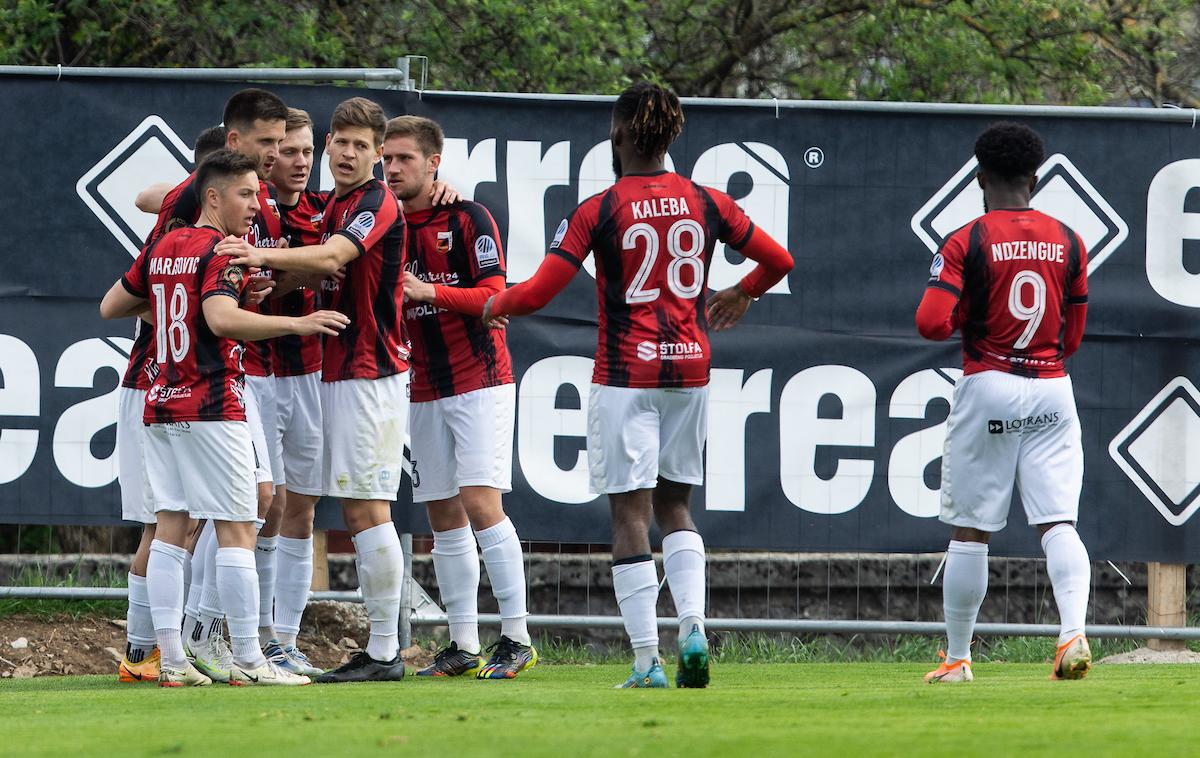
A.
pixel 406 593
pixel 320 576
pixel 1167 601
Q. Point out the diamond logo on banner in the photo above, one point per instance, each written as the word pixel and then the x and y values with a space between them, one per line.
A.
pixel 1160 451
pixel 151 153
pixel 1062 192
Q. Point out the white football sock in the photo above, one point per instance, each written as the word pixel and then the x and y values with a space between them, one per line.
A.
pixel 264 562
pixel 456 565
pixel 505 566
pixel 235 574
pixel 293 579
pixel 381 576
pixel 212 613
pixel 683 563
pixel 200 561
pixel 139 624
pixel 636 587
pixel 187 580
pixel 164 589
pixel 1070 572
pixel 964 583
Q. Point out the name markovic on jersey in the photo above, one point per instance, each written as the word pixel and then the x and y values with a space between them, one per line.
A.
pixel 1028 250
pixel 659 206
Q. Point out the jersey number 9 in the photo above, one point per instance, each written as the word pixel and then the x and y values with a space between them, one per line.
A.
pixel 1031 314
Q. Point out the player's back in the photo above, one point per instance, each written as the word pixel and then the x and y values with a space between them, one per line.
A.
pixel 1020 270
pixel 653 237
pixel 199 374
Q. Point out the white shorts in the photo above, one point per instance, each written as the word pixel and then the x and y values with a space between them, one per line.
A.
pixel 131 465
pixel 298 431
pixel 1005 429
pixel 462 441
pixel 636 435
pixel 260 414
pixel 205 468
pixel 365 424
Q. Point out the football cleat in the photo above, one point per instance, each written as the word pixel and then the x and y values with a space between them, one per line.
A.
pixel 187 676
pixel 145 670
pixel 363 668
pixel 289 658
pixel 452 661
pixel 213 658
pixel 959 671
pixel 266 675
pixel 693 660
pixel 655 678
pixel 1073 659
pixel 508 659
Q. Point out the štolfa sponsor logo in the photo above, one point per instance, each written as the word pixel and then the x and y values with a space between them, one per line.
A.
pixel 158 394
pixel 670 351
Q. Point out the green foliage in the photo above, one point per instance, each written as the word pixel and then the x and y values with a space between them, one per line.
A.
pixel 1006 51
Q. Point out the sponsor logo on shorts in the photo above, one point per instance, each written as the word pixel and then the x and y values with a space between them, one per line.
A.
pixel 1027 425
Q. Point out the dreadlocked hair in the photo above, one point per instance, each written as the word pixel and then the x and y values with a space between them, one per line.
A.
pixel 653 115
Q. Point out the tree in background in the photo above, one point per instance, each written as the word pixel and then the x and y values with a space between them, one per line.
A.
pixel 1007 51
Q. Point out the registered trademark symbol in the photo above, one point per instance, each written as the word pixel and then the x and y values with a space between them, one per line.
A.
pixel 814 157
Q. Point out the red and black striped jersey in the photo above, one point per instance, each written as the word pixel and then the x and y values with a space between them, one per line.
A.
pixel 373 345
pixel 180 208
pixel 653 237
pixel 265 231
pixel 199 375
pixel 293 355
pixel 454 246
pixel 1015 272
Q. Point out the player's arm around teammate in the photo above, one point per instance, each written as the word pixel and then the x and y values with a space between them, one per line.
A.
pixel 363 403
pixel 652 234
pixel 462 405
pixel 1014 282
pixel 197 446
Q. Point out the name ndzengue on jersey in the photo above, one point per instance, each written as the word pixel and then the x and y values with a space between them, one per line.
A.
pixel 1015 272
pixel 199 375
pixel 453 353
pixel 373 345
pixel 653 237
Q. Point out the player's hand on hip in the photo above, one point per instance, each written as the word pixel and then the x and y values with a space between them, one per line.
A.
pixel 242 252
pixel 726 307
pixel 322 322
pixel 491 321
pixel 417 290
pixel 443 194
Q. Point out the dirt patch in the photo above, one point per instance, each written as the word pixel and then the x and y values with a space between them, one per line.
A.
pixel 66 646
pixel 1146 655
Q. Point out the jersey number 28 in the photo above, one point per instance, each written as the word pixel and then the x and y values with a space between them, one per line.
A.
pixel 685 244
pixel 173 333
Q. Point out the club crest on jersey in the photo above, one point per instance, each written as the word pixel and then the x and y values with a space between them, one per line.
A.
pixel 316 219
pixel 274 206
pixel 558 235
pixel 487 252
pixel 445 240
pixel 234 276
pixel 361 225
pixel 176 223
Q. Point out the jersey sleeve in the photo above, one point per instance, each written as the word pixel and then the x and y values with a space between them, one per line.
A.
pixel 573 241
pixel 180 208
pixel 485 255
pixel 735 226
pixel 136 279
pixel 1077 288
pixel 946 270
pixel 222 277
pixel 371 218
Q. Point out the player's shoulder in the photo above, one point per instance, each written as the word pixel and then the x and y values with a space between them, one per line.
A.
pixel 480 217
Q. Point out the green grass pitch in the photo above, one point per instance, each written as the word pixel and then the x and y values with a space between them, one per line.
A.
pixel 774 709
